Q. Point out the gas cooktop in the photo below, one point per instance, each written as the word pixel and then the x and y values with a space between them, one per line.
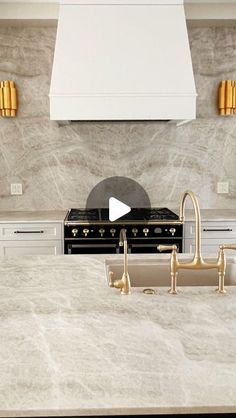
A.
pixel 89 231
pixel 136 215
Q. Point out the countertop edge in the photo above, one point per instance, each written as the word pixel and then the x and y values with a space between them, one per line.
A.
pixel 117 411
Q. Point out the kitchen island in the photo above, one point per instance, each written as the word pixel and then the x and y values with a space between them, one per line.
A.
pixel 72 346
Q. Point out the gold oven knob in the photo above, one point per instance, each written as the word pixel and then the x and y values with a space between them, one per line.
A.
pixel 85 232
pixel 112 231
pixel 101 231
pixel 135 231
pixel 74 232
pixel 172 231
pixel 145 231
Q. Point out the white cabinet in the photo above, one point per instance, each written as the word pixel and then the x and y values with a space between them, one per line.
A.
pixel 213 234
pixel 31 238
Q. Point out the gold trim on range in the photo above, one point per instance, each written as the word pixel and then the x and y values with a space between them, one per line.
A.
pixel 71 223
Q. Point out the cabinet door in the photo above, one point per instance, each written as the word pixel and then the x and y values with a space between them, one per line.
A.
pixel 212 230
pixel 18 248
pixel 208 246
pixel 31 231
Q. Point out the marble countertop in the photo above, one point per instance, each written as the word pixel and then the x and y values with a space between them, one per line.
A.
pixel 33 216
pixel 209 215
pixel 59 215
pixel 70 345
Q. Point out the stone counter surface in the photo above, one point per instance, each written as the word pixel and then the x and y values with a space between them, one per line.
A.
pixel 33 216
pixel 70 345
pixel 211 215
pixel 59 215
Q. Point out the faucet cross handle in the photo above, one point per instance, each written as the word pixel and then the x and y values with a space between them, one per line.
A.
pixel 167 248
pixel 228 247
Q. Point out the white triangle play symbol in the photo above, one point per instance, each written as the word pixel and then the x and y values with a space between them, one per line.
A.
pixel 117 209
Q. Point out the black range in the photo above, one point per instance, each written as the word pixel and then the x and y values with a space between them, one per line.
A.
pixel 89 231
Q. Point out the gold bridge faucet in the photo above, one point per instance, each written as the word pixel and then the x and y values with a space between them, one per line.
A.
pixel 124 283
pixel 197 263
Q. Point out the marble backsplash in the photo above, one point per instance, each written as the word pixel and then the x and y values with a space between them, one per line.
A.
pixel 58 166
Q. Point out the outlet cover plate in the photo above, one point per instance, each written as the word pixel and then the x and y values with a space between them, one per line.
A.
pixel 223 187
pixel 16 188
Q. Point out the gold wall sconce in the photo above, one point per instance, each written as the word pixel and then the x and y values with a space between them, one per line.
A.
pixel 227 97
pixel 8 99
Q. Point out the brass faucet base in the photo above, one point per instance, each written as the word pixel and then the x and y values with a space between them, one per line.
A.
pixel 125 292
pixel 221 291
pixel 172 292
pixel 123 284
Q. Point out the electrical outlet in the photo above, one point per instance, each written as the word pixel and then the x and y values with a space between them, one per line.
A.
pixel 223 187
pixel 16 188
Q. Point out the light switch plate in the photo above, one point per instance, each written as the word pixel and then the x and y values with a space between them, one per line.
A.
pixel 16 188
pixel 223 187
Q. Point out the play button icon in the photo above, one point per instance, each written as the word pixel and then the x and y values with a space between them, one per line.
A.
pixel 117 209
pixel 117 198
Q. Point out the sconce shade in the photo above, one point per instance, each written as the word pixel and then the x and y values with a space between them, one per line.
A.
pixel 8 99
pixel 227 97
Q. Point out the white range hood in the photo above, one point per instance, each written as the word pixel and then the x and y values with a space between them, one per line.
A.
pixel 122 60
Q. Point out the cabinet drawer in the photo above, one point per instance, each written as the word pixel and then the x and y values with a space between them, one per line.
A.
pixel 209 246
pixel 17 248
pixel 31 231
pixel 212 230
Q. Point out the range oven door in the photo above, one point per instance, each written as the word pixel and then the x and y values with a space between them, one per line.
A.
pixel 75 248
pixel 151 246
pixel 137 246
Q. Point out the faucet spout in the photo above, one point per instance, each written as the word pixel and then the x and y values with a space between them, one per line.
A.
pixel 188 193
pixel 123 243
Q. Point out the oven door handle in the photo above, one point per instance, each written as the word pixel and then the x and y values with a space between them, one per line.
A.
pixel 153 245
pixel 70 247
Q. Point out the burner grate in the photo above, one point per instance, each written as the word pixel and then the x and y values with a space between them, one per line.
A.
pixel 83 215
pixel 160 214
pixel 136 214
